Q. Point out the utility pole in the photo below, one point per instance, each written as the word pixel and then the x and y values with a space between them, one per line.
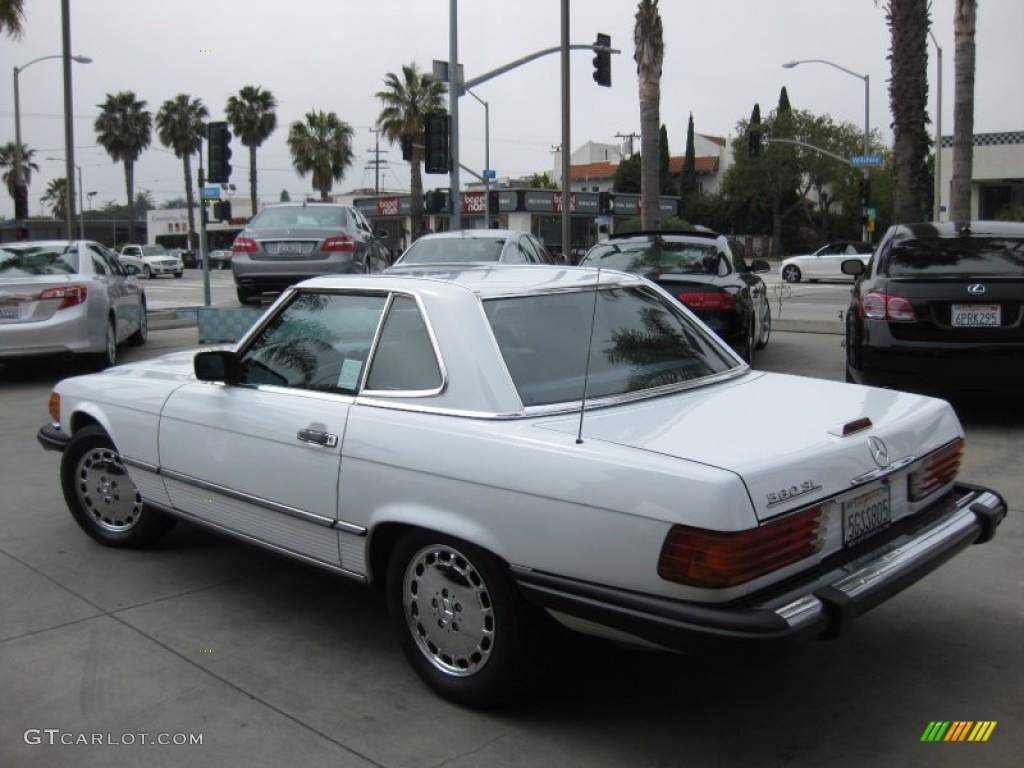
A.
pixel 631 137
pixel 377 152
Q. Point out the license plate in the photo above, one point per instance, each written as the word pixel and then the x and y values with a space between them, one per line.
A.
pixel 976 315
pixel 866 515
pixel 10 312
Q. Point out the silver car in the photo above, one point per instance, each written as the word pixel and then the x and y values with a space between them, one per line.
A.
pixel 60 297
pixel 476 246
pixel 284 244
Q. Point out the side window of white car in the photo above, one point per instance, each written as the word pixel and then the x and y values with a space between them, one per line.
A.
pixel 319 341
pixel 405 359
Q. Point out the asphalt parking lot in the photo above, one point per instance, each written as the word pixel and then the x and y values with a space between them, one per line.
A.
pixel 104 653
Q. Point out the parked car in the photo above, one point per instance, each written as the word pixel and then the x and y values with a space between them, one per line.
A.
pixel 705 272
pixel 825 263
pixel 61 297
pixel 286 243
pixel 188 258
pixel 480 246
pixel 500 446
pixel 220 259
pixel 152 260
pixel 940 309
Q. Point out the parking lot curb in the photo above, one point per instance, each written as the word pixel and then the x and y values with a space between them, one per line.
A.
pixel 808 326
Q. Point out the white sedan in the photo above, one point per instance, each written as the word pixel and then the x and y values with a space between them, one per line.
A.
pixel 825 263
pixel 499 447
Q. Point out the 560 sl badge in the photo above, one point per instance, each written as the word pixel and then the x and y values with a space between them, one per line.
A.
pixel 786 494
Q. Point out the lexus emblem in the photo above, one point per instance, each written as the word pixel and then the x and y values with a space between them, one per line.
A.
pixel 975 289
pixel 878 452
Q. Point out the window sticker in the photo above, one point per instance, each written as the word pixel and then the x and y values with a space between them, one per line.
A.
pixel 349 376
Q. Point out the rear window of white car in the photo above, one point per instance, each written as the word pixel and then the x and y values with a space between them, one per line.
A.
pixel 444 250
pixel 38 261
pixel 641 341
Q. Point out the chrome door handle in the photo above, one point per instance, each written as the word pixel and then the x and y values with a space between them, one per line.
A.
pixel 316 437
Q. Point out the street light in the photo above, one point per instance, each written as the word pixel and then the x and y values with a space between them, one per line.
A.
pixel 487 158
pixel 19 180
pixel 938 132
pixel 81 214
pixel 867 113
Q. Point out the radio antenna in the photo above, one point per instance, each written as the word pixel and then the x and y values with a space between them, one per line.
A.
pixel 590 346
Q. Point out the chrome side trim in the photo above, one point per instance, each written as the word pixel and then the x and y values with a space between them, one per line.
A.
pixel 273 506
pixel 143 465
pixel 258 542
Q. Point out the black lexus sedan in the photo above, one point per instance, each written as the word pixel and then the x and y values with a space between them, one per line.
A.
pixel 703 270
pixel 940 309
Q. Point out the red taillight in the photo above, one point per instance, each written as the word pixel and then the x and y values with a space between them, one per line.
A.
pixel 70 295
pixel 340 243
pixel 244 245
pixel 876 305
pixel 707 301
pixel 938 470
pixel 703 558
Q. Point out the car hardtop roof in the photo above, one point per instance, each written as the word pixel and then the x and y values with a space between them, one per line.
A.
pixel 458 233
pixel 951 229
pixel 651 234
pixel 486 280
pixel 37 243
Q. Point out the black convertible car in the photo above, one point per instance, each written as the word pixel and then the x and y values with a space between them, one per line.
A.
pixel 703 270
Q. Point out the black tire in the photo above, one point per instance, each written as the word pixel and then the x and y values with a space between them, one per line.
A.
pixel 791 273
pixel 244 296
pixel 147 272
pixel 138 338
pixel 178 274
pixel 102 497
pixel 462 625
pixel 765 326
pixel 747 353
pixel 108 357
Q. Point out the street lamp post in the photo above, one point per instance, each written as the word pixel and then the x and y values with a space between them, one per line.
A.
pixel 867 121
pixel 487 158
pixel 81 213
pixel 938 131
pixel 19 178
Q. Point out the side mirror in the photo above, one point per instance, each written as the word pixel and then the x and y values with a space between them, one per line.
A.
pixel 760 265
pixel 131 269
pixel 383 234
pixel 853 267
pixel 216 365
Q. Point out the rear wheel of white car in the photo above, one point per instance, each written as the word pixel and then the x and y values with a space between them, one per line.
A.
pixel 791 273
pixel 102 497
pixel 460 621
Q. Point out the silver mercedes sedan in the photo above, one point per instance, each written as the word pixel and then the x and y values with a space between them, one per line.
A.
pixel 61 297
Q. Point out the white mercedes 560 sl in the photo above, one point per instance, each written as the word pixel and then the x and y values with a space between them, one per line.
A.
pixel 498 446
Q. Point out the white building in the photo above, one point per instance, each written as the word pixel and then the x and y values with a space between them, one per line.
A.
pixel 997 174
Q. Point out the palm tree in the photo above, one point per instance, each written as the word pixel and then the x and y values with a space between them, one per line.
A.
pixel 908 99
pixel 963 111
pixel 123 128
pixel 252 119
pixel 56 196
pixel 321 146
pixel 405 100
pixel 649 55
pixel 12 17
pixel 7 164
pixel 180 124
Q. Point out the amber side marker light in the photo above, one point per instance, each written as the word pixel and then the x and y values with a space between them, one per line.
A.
pixel 54 406
pixel 702 558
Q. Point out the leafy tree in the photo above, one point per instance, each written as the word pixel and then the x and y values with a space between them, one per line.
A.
pixel 175 203
pixel 909 21
pixel 664 161
pixel 180 124
pixel 964 23
pixel 540 181
pixel 124 128
pixel 12 18
pixel 649 54
pixel 253 117
pixel 405 100
pixel 7 164
pixel 627 176
pixel 322 146
pixel 285 197
pixel 688 175
pixel 56 197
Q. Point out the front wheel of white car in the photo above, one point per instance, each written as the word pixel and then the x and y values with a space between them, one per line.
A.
pixel 101 496
pixel 460 621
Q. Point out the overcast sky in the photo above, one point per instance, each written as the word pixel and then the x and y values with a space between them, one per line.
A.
pixel 720 58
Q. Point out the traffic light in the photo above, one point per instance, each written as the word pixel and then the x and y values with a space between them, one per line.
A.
pixel 21 202
pixel 436 158
pixel 219 140
pixel 604 203
pixel 603 60
pixel 865 192
pixel 435 201
pixel 493 201
pixel 406 143
pixel 222 210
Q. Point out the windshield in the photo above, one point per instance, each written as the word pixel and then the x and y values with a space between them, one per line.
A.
pixel 694 258
pixel 41 260
pixel 454 249
pixel 305 216
pixel 154 250
pixel 962 256
pixel 641 341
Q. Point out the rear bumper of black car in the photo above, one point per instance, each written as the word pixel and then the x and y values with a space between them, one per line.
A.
pixel 822 605
pixel 943 368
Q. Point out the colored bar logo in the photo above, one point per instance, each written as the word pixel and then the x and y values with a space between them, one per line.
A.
pixel 958 730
